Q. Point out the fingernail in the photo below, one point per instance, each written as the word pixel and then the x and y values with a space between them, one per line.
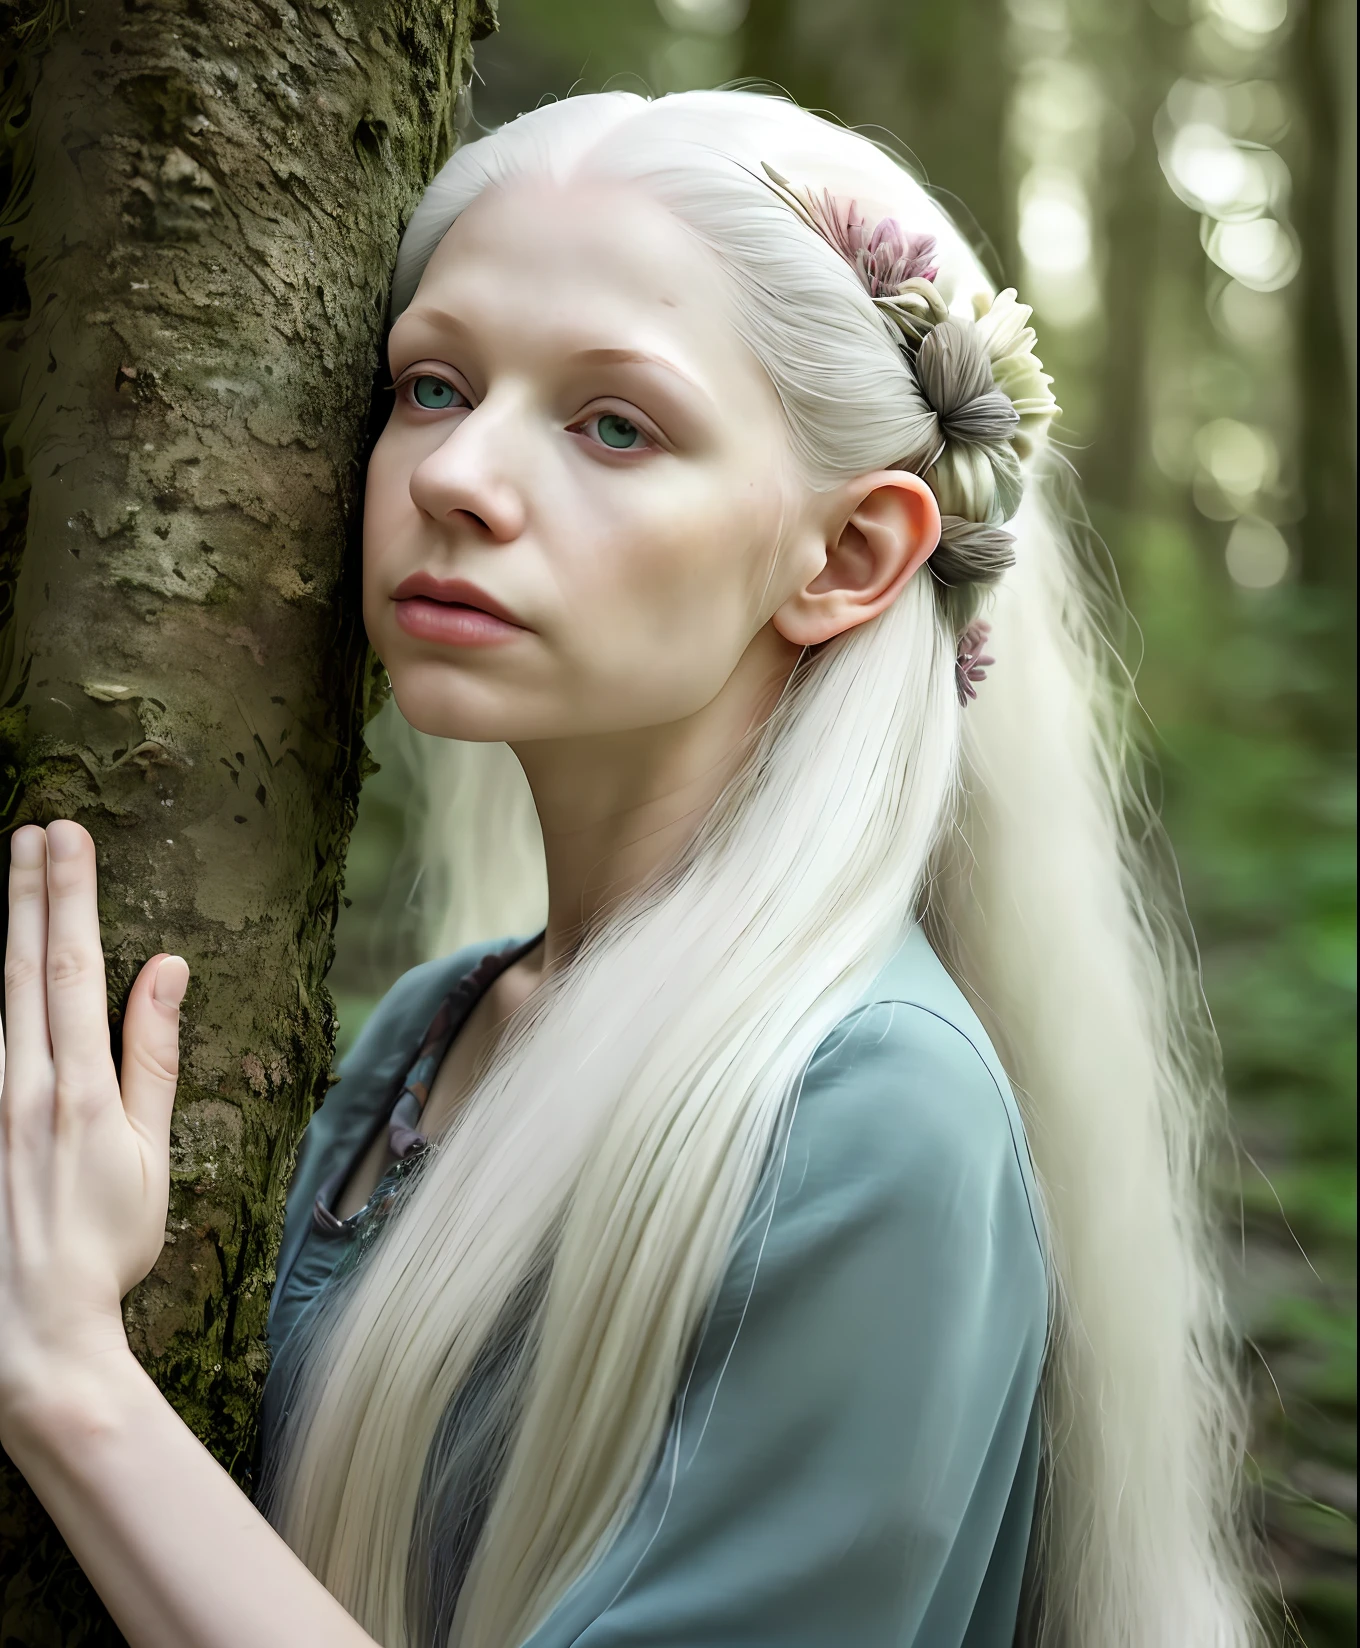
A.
pixel 172 980
pixel 26 847
pixel 64 839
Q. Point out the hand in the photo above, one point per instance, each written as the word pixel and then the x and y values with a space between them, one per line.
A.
pixel 84 1168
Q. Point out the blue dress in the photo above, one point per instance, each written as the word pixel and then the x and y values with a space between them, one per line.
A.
pixel 853 1458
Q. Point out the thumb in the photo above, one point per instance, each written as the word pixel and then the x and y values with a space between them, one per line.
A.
pixel 151 1043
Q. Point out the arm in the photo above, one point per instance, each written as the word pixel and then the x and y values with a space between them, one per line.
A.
pixel 178 1554
pixel 855 1454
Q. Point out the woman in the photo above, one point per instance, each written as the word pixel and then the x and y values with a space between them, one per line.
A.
pixel 679 1274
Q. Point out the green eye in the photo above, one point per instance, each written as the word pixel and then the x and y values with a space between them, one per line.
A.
pixel 617 432
pixel 433 393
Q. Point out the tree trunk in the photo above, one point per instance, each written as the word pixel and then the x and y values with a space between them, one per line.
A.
pixel 1324 53
pixel 204 205
pixel 1131 49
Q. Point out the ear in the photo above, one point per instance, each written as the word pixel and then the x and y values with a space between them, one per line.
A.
pixel 880 531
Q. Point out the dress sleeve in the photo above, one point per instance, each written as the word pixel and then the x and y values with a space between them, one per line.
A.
pixel 851 1462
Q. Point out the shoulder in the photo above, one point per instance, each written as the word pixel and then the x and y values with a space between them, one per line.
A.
pixel 907 1094
pixel 393 1030
pixel 379 1057
pixel 895 1081
pixel 904 1137
pixel 898 1199
pixel 406 1008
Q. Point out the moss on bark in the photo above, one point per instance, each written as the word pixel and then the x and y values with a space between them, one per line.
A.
pixel 204 201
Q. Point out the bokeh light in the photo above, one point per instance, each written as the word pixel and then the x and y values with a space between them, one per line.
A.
pixel 1256 554
pixel 1250 17
pixel 704 16
pixel 1262 254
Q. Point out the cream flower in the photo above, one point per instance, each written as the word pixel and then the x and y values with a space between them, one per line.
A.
pixel 1003 326
pixel 914 308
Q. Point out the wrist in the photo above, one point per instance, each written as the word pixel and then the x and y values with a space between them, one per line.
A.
pixel 65 1398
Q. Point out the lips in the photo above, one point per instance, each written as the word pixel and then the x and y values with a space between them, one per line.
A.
pixel 452 592
pixel 453 612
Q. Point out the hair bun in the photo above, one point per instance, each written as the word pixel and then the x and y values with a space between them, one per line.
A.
pixel 956 378
pixel 970 552
pixel 980 480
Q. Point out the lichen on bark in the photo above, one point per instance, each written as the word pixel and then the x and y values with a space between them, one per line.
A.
pixel 203 204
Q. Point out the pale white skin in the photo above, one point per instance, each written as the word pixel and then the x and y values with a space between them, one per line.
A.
pixel 663 594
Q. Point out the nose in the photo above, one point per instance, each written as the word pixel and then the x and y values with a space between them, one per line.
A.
pixel 465 479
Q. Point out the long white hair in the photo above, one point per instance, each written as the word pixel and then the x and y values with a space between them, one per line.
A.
pixel 581 1207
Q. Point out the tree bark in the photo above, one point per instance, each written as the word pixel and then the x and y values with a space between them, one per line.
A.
pixel 204 202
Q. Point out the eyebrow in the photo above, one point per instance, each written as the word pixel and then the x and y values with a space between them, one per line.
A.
pixel 445 321
pixel 633 357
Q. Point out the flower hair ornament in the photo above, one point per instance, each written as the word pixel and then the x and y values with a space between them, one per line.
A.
pixel 988 391
pixel 971 664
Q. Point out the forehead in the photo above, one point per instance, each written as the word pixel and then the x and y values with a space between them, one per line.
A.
pixel 581 257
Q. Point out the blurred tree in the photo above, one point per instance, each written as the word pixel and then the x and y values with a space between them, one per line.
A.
pixel 201 209
pixel 1324 211
pixel 934 80
pixel 1143 244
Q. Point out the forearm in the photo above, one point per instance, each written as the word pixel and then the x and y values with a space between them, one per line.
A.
pixel 179 1555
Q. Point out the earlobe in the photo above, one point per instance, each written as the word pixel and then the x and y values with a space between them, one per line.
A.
pixel 882 533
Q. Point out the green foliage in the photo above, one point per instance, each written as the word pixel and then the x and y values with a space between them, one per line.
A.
pixel 1242 686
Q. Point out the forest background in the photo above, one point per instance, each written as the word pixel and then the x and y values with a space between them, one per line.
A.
pixel 1171 184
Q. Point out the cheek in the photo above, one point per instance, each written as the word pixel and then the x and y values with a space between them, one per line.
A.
pixel 705 563
pixel 671 595
pixel 388 515
pixel 387 495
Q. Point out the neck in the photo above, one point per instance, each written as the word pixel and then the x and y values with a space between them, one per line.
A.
pixel 617 809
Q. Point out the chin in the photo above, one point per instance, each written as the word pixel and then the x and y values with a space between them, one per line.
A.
pixel 443 721
pixel 444 709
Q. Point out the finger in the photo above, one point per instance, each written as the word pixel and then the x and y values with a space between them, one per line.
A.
pixel 77 1009
pixel 30 1051
pixel 151 1044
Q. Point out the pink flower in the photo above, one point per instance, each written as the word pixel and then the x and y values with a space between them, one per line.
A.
pixel 885 257
pixel 970 666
